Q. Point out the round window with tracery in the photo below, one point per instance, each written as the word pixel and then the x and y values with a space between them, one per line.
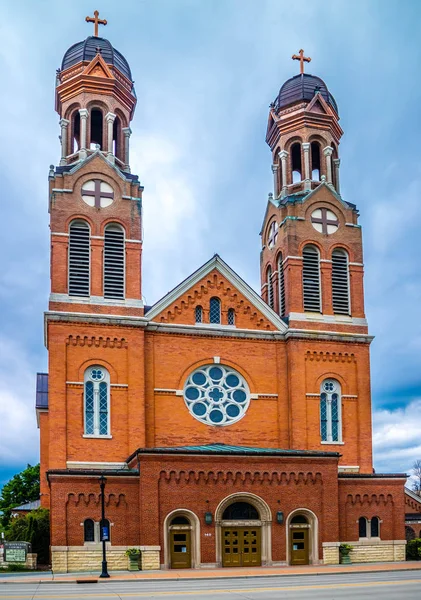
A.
pixel 216 395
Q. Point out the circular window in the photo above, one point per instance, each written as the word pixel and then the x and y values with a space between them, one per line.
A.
pixel 97 374
pixel 216 395
pixel 330 385
pixel 324 221
pixel 97 193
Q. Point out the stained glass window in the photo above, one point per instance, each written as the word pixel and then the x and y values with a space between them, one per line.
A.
pixel 330 411
pixel 215 310
pixel 216 395
pixel 96 401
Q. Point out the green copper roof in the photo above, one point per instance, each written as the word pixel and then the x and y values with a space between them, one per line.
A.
pixel 224 449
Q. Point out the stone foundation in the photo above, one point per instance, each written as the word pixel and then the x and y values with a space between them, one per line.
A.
pixel 68 559
pixel 365 551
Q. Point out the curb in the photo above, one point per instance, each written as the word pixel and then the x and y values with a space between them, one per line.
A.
pixel 89 580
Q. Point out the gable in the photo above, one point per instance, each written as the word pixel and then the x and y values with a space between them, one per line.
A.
pixel 98 68
pixel 216 279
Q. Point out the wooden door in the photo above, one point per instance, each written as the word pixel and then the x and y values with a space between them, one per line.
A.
pixel 299 546
pixel 180 549
pixel 241 547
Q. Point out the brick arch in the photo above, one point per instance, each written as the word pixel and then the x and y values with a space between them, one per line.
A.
pixel 90 362
pixel 209 361
pixel 310 242
pixel 313 537
pixel 71 109
pixel 79 217
pixel 195 535
pixel 332 375
pixel 112 221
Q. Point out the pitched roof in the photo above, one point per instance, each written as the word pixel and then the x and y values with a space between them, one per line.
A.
pixel 227 449
pixel 217 263
pixel 28 506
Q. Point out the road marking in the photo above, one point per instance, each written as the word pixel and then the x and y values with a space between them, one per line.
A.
pixel 294 588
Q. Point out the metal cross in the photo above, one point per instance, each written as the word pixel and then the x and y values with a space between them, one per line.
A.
pixel 96 22
pixel 97 194
pixel 302 59
pixel 216 394
pixel 325 221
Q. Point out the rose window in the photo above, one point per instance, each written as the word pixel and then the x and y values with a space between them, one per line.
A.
pixel 216 395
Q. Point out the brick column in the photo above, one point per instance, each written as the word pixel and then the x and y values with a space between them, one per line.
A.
pixel 64 123
pixel 83 125
pixel 127 133
pixel 283 155
pixel 307 175
pixel 110 118
pixel 328 154
pixel 336 163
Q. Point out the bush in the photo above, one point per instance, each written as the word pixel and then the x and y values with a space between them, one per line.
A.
pixel 33 528
pixel 413 549
pixel 15 567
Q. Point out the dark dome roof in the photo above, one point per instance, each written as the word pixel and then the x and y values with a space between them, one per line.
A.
pixel 303 87
pixel 87 50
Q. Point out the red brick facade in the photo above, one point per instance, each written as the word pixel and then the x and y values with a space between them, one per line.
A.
pixel 284 358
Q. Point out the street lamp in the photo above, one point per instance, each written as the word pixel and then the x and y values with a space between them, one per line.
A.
pixel 104 529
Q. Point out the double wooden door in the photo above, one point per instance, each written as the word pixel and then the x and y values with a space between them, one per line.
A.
pixel 241 547
pixel 299 546
pixel 180 548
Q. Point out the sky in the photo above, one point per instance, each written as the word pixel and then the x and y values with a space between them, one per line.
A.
pixel 205 73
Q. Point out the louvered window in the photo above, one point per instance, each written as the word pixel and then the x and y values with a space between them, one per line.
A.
pixel 311 279
pixel 114 262
pixel 340 282
pixel 215 310
pixel 97 400
pixel 270 286
pixel 79 259
pixel 231 316
pixel 198 314
pixel 281 283
pixel 330 411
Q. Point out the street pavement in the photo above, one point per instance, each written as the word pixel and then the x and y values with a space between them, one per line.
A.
pixel 382 585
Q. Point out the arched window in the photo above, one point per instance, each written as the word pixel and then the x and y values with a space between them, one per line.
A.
pixel 296 162
pixel 180 520
pixel 117 138
pixel 97 401
pixel 89 530
pixel 281 283
pixel 409 533
pixel 97 127
pixel 104 530
pixel 272 234
pixel 240 511
pixel 79 259
pixel 215 310
pixel 311 279
pixel 375 527
pixel 75 132
pixel 315 161
pixel 299 520
pixel 362 527
pixel 270 286
pixel 114 259
pixel 340 282
pixel 231 316
pixel 330 411
pixel 198 313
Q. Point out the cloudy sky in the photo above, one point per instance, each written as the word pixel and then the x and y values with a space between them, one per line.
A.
pixel 205 72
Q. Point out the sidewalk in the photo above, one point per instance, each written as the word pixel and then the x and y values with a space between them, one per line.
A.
pixel 192 574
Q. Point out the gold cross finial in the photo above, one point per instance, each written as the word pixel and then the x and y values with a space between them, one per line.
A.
pixel 96 22
pixel 300 56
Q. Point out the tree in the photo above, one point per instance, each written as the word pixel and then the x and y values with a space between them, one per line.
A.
pixel 22 488
pixel 34 528
pixel 416 474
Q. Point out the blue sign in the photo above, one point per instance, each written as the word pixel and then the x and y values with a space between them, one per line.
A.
pixel 105 534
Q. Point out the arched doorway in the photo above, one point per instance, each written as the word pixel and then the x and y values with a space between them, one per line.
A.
pixel 182 540
pixel 243 528
pixel 302 538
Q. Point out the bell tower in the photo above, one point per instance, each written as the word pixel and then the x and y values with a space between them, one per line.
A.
pixel 311 261
pixel 95 200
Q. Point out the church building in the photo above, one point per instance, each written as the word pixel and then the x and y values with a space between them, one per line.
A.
pixel 232 428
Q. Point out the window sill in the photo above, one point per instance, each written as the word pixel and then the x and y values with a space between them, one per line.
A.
pixel 90 436
pixel 333 443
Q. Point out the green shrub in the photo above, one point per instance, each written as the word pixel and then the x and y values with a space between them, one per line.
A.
pixel 413 549
pixel 34 528
pixel 15 567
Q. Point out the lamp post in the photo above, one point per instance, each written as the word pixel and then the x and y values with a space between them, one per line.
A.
pixel 104 530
